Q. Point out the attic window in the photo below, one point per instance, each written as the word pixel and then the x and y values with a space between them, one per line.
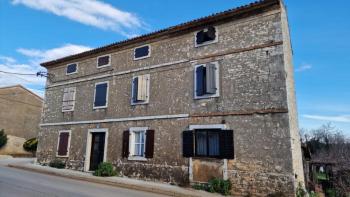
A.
pixel 103 61
pixel 71 69
pixel 206 36
pixel 142 52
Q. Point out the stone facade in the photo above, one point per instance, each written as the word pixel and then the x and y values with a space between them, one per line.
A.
pixel 19 116
pixel 256 101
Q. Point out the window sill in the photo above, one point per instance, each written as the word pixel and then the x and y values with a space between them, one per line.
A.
pixel 206 96
pixel 100 107
pixel 140 103
pixel 205 43
pixel 67 110
pixel 104 66
pixel 62 156
pixel 137 158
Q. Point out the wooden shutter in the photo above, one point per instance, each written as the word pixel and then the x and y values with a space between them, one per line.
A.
pixel 135 84
pixel 200 81
pixel 187 144
pixel 125 149
pixel 149 144
pixel 65 99
pixel 210 78
pixel 63 144
pixel 142 88
pixel 226 144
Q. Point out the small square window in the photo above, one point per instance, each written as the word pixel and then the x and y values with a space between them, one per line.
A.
pixel 206 36
pixel 101 95
pixel 206 80
pixel 142 52
pixel 71 69
pixel 140 89
pixel 103 61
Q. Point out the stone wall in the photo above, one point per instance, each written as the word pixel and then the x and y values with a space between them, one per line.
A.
pixel 253 102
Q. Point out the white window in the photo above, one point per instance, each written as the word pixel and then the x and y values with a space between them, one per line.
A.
pixel 137 142
pixel 68 101
pixel 140 89
pixel 63 143
pixel 103 61
pixel 72 68
pixel 206 36
pixel 142 52
pixel 206 80
pixel 101 95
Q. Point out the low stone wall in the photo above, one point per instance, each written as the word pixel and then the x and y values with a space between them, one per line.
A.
pixel 14 146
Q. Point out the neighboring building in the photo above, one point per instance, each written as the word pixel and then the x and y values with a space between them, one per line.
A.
pixel 213 97
pixel 19 116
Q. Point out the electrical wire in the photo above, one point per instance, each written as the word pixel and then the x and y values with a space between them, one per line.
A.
pixel 13 73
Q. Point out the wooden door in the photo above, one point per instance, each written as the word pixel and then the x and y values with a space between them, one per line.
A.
pixel 97 150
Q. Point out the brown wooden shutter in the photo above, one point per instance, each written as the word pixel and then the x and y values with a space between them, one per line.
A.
pixel 149 144
pixel 226 144
pixel 187 144
pixel 125 150
pixel 63 144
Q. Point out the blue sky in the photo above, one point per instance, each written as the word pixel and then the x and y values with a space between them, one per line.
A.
pixel 32 31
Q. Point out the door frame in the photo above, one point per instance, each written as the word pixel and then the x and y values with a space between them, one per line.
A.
pixel 88 146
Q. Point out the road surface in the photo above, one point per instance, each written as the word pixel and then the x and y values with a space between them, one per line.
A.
pixel 20 183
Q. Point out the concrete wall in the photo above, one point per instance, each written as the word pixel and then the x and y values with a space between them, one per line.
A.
pixel 20 112
pixel 253 102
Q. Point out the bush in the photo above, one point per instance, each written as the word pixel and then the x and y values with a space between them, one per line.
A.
pixel 31 145
pixel 57 164
pixel 105 169
pixel 215 185
pixel 3 138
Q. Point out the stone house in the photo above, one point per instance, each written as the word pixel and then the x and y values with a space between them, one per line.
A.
pixel 213 97
pixel 20 116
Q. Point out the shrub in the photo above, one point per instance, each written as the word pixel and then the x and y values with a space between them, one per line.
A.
pixel 105 169
pixel 31 145
pixel 301 191
pixel 57 164
pixel 215 185
pixel 3 138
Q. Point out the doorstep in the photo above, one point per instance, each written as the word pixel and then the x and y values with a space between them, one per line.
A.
pixel 147 186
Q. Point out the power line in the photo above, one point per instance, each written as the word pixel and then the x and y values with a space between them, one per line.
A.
pixel 13 73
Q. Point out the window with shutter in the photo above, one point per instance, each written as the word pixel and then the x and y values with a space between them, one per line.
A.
pixel 206 82
pixel 103 61
pixel 208 142
pixel 72 68
pixel 68 99
pixel 206 36
pixel 141 142
pixel 142 52
pixel 63 144
pixel 140 89
pixel 101 95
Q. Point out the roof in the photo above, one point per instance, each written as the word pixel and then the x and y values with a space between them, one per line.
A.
pixel 238 12
pixel 22 87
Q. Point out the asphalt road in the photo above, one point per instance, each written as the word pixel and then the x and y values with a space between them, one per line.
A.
pixel 20 183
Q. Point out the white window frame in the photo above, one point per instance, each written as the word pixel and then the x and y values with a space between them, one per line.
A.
pixel 208 42
pixel 75 92
pixel 149 52
pixel 132 131
pixel 76 71
pixel 109 63
pixel 88 146
pixel 217 81
pixel 107 93
pixel 148 76
pixel 58 142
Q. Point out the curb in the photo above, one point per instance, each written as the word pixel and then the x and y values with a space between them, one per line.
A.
pixel 110 183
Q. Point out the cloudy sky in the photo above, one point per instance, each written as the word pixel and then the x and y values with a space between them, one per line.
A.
pixel 33 31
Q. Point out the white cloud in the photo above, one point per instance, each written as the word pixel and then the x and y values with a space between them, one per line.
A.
pixel 89 12
pixel 339 118
pixel 34 58
pixel 39 56
pixel 303 67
